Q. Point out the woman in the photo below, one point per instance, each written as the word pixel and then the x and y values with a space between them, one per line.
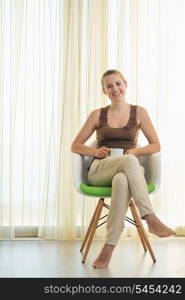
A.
pixel 117 126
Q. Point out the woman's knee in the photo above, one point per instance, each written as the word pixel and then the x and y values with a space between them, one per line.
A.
pixel 130 161
pixel 131 158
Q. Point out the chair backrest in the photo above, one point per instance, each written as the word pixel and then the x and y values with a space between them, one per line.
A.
pixel 81 164
pixel 152 166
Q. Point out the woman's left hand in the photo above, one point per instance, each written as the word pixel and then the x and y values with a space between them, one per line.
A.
pixel 132 151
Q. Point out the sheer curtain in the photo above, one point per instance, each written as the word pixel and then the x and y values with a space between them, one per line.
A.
pixel 52 56
pixel 53 53
pixel 150 35
pixel 30 109
pixel 84 60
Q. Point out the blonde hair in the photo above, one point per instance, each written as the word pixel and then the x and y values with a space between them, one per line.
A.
pixel 110 72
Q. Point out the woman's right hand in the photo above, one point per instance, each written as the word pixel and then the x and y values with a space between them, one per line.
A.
pixel 102 152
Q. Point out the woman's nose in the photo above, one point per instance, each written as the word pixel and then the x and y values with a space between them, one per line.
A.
pixel 115 88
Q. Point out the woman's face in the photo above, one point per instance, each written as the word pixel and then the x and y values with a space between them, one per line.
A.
pixel 114 87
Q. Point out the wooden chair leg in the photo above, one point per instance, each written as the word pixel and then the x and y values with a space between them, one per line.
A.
pixel 141 230
pixel 138 228
pixel 89 227
pixel 93 228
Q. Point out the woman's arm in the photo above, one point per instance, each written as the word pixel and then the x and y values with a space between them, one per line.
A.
pixel 149 132
pixel 85 133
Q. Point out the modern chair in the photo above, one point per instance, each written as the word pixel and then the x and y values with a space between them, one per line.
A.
pixel 152 166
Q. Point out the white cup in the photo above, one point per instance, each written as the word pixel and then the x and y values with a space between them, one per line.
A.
pixel 116 151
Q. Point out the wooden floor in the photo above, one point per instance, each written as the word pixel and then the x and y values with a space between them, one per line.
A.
pixel 36 258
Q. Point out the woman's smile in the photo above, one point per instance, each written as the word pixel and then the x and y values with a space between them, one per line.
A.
pixel 116 94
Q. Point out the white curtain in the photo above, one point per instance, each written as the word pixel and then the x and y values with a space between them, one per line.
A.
pixel 31 77
pixel 52 56
pixel 150 35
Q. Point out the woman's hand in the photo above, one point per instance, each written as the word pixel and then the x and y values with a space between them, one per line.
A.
pixel 102 152
pixel 133 151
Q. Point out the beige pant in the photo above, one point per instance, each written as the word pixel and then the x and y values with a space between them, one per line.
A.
pixel 126 176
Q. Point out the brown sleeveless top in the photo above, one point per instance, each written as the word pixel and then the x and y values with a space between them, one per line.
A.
pixel 125 137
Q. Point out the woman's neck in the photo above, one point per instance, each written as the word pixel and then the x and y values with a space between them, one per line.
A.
pixel 119 106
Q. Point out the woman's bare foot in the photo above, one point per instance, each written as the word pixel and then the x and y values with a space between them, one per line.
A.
pixel 104 257
pixel 156 227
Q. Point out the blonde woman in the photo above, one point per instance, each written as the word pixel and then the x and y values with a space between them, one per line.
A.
pixel 117 126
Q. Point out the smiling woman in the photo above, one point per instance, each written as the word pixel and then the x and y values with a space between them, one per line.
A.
pixel 43 81
pixel 117 126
